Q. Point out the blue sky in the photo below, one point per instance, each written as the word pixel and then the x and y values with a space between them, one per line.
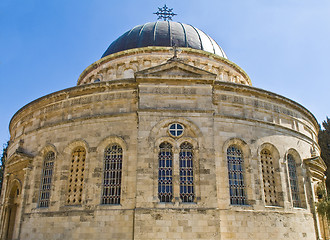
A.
pixel 283 45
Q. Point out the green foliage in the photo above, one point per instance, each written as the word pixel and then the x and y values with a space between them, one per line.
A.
pixel 2 163
pixel 324 142
pixel 323 207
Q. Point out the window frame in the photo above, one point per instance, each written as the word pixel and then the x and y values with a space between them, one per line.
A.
pixel 190 186
pixel 176 129
pixel 70 180
pixel 292 169
pixel 117 172
pixel 301 176
pixel 50 179
pixel 240 198
pixel 269 164
pixel 168 194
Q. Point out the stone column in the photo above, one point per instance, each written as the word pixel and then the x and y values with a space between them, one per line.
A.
pixel 313 207
pixel 24 198
pixel 315 174
pixel 4 206
pixel 176 175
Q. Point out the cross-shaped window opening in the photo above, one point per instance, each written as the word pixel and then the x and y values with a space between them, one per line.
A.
pixel 176 129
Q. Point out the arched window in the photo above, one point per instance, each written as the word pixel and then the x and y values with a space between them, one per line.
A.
pixel 113 161
pixel 186 172
pixel 46 179
pixel 236 175
pixel 293 181
pixel 76 178
pixel 268 177
pixel 165 160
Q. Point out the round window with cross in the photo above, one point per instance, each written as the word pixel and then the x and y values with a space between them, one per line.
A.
pixel 176 129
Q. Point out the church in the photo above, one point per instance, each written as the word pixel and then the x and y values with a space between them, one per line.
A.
pixel 162 138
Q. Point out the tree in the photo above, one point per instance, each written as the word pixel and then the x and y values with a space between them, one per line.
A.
pixel 323 207
pixel 324 142
pixel 2 163
pixel 323 210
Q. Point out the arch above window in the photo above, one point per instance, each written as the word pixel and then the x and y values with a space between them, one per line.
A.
pixel 14 190
pixel 111 140
pixel 239 143
pixel 191 130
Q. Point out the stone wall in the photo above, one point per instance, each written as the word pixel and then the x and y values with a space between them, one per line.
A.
pixel 125 64
pixel 136 113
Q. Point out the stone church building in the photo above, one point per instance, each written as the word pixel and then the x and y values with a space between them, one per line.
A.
pixel 162 138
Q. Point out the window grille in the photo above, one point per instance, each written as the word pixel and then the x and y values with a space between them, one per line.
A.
pixel 186 173
pixel 176 129
pixel 293 181
pixel 165 159
pixel 46 179
pixel 113 158
pixel 76 178
pixel 268 175
pixel 236 176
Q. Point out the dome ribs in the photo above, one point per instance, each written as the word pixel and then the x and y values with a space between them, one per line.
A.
pixel 210 41
pixel 161 34
pixel 166 34
pixel 169 33
pixel 185 35
pixel 133 37
pixel 191 37
pixel 178 35
pixel 145 36
pixel 154 33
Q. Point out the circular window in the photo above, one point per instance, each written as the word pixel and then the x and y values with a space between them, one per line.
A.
pixel 176 129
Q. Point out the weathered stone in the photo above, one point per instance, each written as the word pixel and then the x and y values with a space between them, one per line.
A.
pixel 213 100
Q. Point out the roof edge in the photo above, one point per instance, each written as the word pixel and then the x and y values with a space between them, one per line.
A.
pixel 133 51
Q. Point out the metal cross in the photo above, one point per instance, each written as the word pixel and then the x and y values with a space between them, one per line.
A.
pixel 165 13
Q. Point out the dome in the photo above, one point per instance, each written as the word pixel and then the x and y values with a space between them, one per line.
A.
pixel 151 147
pixel 167 34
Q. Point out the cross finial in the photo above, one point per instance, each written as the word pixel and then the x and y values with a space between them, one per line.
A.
pixel 165 13
pixel 175 50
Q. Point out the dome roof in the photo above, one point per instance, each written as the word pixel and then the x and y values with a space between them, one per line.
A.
pixel 165 33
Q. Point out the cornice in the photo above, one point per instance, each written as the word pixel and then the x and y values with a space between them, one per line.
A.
pixel 132 84
pixel 279 99
pixel 18 157
pixel 136 51
pixel 74 92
